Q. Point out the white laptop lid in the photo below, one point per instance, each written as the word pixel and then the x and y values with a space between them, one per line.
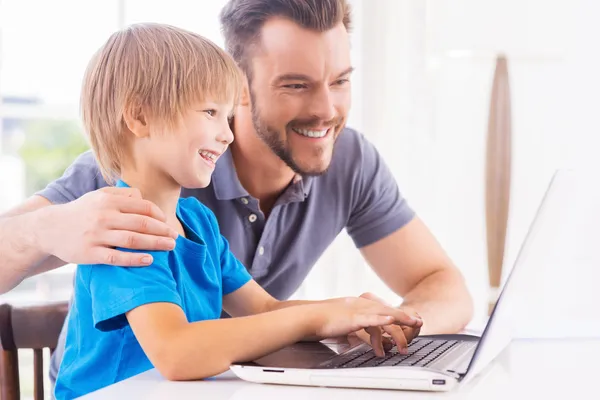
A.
pixel 559 254
pixel 563 264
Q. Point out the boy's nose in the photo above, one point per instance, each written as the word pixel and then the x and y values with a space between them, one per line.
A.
pixel 226 135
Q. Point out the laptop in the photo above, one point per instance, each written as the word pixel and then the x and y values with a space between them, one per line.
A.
pixel 433 363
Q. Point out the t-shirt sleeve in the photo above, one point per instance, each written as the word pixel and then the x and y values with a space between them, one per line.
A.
pixel 234 274
pixel 81 177
pixel 378 207
pixel 116 290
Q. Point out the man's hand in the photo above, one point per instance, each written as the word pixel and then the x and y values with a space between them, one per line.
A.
pixel 383 338
pixel 85 231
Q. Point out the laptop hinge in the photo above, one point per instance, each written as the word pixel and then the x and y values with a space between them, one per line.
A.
pixel 457 375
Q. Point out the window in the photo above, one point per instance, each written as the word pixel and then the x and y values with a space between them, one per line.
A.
pixel 45 46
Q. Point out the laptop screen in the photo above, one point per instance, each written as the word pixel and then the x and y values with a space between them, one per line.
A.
pixel 559 255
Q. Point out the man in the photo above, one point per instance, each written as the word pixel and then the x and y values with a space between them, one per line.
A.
pixel 294 177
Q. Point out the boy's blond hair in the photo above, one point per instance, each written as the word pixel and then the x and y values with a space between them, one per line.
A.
pixel 158 69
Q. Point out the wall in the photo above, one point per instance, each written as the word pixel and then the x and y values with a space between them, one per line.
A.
pixel 425 76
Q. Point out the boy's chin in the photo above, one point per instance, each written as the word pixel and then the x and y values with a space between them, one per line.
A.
pixel 198 183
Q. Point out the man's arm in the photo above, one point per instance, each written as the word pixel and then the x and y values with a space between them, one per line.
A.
pixel 400 248
pixel 413 264
pixel 36 236
pixel 20 253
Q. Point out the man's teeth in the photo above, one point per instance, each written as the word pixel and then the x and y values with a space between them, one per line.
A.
pixel 208 155
pixel 312 134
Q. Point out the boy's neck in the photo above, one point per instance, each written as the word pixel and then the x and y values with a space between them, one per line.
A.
pixel 160 190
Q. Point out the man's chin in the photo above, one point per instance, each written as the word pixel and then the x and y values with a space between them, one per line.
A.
pixel 312 169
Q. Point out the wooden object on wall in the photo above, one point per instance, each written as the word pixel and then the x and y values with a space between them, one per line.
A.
pixel 498 175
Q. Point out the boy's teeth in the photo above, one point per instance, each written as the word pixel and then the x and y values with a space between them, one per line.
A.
pixel 209 155
pixel 313 134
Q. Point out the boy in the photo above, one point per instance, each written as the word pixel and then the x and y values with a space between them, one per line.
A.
pixel 156 103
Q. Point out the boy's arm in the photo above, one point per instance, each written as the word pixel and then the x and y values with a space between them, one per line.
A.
pixel 148 301
pixel 184 351
pixel 252 299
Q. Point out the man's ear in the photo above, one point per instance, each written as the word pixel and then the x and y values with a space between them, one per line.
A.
pixel 245 95
pixel 136 121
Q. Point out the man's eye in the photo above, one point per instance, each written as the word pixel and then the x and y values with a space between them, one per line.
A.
pixel 295 86
pixel 342 81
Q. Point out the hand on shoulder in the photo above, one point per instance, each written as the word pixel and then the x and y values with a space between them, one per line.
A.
pixel 87 230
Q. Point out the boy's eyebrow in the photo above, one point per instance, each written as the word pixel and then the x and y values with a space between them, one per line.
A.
pixel 302 77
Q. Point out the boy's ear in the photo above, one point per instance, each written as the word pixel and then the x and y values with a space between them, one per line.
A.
pixel 136 121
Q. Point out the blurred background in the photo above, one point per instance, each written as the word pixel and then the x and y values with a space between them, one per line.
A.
pixel 421 93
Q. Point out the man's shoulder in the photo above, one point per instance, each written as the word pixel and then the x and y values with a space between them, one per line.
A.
pixel 81 177
pixel 87 159
pixel 351 139
pixel 351 151
pixel 354 156
pixel 86 163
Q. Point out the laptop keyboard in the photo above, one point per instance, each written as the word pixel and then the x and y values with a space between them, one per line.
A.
pixel 421 352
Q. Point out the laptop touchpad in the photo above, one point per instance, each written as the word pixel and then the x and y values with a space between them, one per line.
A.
pixel 303 354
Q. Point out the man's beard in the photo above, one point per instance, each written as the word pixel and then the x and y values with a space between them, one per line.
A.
pixel 271 137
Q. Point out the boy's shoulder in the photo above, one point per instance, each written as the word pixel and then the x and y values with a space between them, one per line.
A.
pixel 159 258
pixel 191 205
pixel 197 216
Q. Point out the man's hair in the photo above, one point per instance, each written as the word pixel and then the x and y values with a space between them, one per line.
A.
pixel 242 21
pixel 156 69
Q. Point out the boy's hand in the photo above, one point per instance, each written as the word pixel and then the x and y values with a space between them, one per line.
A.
pixel 352 314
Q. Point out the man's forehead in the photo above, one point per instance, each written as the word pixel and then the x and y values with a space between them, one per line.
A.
pixel 288 47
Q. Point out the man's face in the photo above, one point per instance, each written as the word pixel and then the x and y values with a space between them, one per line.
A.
pixel 300 92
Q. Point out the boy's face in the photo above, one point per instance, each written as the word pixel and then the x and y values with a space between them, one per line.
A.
pixel 300 92
pixel 188 153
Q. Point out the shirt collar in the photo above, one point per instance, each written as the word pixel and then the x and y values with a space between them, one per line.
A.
pixel 121 184
pixel 225 180
pixel 303 183
pixel 228 187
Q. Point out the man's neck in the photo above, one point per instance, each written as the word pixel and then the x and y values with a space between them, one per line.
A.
pixel 158 189
pixel 264 175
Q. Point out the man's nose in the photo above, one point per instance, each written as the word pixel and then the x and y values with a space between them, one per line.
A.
pixel 322 105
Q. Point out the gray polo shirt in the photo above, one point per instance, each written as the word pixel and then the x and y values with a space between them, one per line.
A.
pixel 357 193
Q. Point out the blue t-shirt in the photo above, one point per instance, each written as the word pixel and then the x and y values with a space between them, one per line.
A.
pixel 101 348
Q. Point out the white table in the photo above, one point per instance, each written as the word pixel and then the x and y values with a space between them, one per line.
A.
pixel 527 369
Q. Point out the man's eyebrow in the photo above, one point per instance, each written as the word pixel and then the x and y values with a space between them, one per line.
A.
pixel 292 77
pixel 347 71
pixel 306 78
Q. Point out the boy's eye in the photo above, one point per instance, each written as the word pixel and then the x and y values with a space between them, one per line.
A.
pixel 211 112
